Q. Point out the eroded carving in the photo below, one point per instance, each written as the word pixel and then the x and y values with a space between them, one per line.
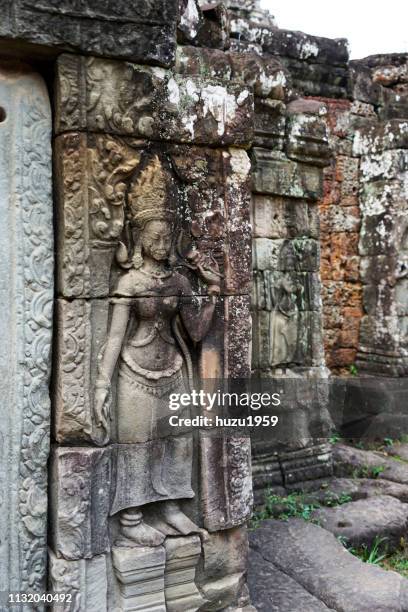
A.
pixel 152 306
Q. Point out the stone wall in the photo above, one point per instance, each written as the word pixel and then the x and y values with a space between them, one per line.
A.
pixel 340 226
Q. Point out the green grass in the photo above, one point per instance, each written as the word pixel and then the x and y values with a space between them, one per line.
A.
pixel 374 554
pixel 378 554
pixel 366 471
pixel 294 505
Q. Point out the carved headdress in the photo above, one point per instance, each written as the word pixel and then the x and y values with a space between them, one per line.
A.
pixel 148 195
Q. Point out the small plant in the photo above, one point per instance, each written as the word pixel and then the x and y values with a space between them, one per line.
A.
pixel 373 555
pixel 353 370
pixel 366 471
pixel 377 470
pixel 388 442
pixel 294 505
pixel 334 438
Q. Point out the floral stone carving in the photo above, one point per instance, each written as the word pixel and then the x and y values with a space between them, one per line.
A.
pixel 26 290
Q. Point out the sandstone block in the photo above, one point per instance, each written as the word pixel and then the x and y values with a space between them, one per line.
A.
pixel 269 124
pixel 86 580
pixel 26 290
pixel 140 573
pixel 168 106
pixel 320 564
pixel 302 46
pixel 280 176
pixel 361 522
pixel 180 591
pixel 142 31
pixel 381 137
pixel 273 590
pixel 227 493
pixel 307 139
pixel 276 217
pixel 95 175
pixel 80 500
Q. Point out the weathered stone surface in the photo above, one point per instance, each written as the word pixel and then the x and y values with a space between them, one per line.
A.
pixel 269 124
pixel 168 106
pixel 140 573
pixel 266 76
pixel 275 174
pixel 334 489
pixel 321 565
pixel 221 571
pixel 26 290
pixel 307 139
pixel 80 490
pixel 299 255
pixel 306 464
pixel 349 461
pixel 226 493
pixel 399 449
pixel 361 522
pixel 203 62
pixel 204 24
pixel 143 31
pixel 94 176
pixel 85 580
pixel 272 590
pixel 381 137
pixel 180 591
pixel 315 79
pixel 82 329
pixel 313 49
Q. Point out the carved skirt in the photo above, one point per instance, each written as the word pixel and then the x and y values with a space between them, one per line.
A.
pixel 153 459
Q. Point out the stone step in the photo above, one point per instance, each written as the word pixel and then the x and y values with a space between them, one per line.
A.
pixel 399 450
pixel 313 558
pixel 357 488
pixel 274 591
pixel 350 461
pixel 361 522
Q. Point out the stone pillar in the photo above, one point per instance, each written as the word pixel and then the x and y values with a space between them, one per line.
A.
pixel 287 310
pixel 381 143
pixel 150 167
pixel 26 288
pixel 384 249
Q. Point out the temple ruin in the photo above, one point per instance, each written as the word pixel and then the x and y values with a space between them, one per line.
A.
pixel 190 193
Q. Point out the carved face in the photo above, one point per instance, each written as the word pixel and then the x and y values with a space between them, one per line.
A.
pixel 156 238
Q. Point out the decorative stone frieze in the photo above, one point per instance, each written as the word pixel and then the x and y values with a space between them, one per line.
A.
pixel 26 289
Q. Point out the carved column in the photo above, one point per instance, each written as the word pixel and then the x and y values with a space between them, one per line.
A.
pixel 153 289
pixel 26 262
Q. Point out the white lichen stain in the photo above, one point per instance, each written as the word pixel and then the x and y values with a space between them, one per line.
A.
pixel 220 104
pixel 188 123
pixel 191 90
pixel 174 92
pixel 308 49
pixel 160 73
pixel 269 82
pixel 190 19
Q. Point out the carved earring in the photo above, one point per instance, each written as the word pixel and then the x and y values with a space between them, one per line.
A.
pixel 137 258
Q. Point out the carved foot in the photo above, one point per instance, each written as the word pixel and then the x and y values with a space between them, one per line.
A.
pixel 174 517
pixel 135 532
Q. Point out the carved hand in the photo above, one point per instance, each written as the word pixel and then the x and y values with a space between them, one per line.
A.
pixel 209 274
pixel 101 407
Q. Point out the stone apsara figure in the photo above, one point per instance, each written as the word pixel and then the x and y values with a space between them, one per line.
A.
pixel 152 303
